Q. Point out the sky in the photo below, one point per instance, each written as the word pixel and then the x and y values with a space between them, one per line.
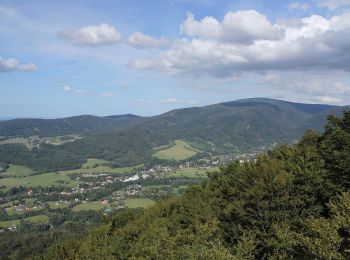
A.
pixel 146 57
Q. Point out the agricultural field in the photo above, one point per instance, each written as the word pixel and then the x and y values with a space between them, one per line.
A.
pixel 93 163
pixel 190 172
pixel 44 180
pixel 99 170
pixel 17 171
pixel 56 205
pixel 97 166
pixel 95 205
pixel 35 141
pixel 35 219
pixel 179 151
pixel 139 203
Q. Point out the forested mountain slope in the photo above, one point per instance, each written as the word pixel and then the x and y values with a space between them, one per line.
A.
pixel 292 203
pixel 83 125
pixel 129 140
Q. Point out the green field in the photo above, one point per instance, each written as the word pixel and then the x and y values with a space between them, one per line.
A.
pixel 35 219
pixel 179 151
pixel 95 205
pixel 101 169
pixel 8 204
pixel 190 172
pixel 139 203
pixel 17 171
pixel 92 163
pixel 35 141
pixel 56 205
pixel 44 180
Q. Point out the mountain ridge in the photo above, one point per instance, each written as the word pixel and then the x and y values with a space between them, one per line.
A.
pixel 222 128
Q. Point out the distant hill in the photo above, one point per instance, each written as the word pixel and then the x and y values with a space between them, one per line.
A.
pixel 128 140
pixel 84 124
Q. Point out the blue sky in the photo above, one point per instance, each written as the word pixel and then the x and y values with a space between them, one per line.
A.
pixel 63 58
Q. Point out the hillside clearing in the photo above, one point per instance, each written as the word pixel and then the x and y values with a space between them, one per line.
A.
pixel 139 203
pixel 179 151
pixel 17 171
pixel 35 219
pixel 44 180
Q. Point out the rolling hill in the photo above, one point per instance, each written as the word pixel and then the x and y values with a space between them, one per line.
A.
pixel 129 140
pixel 84 124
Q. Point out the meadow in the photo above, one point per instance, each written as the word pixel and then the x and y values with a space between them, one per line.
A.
pixel 23 176
pixel 139 203
pixel 17 171
pixel 179 151
pixel 56 205
pixel 94 205
pixel 44 180
pixel 35 219
pixel 191 172
pixel 97 166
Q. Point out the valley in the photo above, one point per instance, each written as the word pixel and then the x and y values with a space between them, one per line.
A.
pixel 60 179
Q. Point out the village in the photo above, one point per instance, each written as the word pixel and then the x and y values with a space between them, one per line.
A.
pixel 106 192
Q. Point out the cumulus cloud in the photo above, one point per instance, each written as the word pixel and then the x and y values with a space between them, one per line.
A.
pixel 11 64
pixel 334 4
pixel 236 27
pixel 140 40
pixel 246 41
pixel 92 35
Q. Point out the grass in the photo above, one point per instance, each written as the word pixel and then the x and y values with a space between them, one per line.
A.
pixel 35 141
pixel 92 163
pixel 95 205
pixel 190 172
pixel 44 180
pixel 8 204
pixel 179 151
pixel 56 205
pixel 35 219
pixel 17 171
pixel 101 169
pixel 139 203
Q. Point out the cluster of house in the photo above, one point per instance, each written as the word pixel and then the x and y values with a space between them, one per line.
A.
pixel 25 207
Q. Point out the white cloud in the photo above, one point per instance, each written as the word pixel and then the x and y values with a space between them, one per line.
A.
pixel 11 64
pixel 140 40
pixel 82 92
pixel 298 5
pixel 92 35
pixel 245 41
pixel 67 88
pixel 208 27
pixel 237 27
pixel 334 4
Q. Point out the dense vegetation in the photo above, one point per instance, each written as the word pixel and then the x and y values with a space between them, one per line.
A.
pixel 64 126
pixel 129 140
pixel 292 203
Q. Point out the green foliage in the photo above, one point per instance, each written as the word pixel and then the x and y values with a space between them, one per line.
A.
pixel 335 148
pixel 129 140
pixel 286 205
